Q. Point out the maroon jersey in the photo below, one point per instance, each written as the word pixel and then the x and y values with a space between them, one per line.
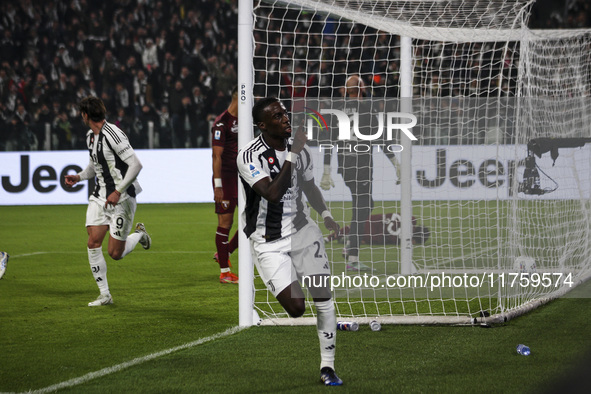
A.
pixel 224 133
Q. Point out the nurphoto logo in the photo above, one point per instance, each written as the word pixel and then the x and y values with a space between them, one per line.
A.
pixel 362 129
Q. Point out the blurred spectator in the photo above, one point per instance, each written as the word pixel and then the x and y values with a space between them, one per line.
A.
pixel 8 48
pixel 123 100
pixel 165 128
pixel 200 130
pixel 131 53
pixel 63 130
pixel 64 56
pixel 86 69
pixel 36 99
pixel 14 98
pixel 169 65
pixel 142 91
pixel 55 69
pixel 177 114
pixel 43 117
pixel 26 135
pixel 109 70
pixel 4 85
pixel 20 136
pixel 187 78
pixel 150 56
pixel 138 135
pixel 227 79
pixel 123 121
pixel 92 89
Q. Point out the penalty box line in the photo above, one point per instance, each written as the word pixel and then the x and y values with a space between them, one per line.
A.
pixel 136 361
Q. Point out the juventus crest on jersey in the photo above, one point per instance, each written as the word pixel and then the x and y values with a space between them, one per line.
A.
pixel 108 150
pixel 267 221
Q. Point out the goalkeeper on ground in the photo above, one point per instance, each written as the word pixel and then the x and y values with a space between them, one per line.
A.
pixel 356 168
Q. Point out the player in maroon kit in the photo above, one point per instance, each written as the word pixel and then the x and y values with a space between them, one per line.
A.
pixel 224 143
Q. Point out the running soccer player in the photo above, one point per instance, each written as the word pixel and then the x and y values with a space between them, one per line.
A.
pixel 224 141
pixel 112 205
pixel 3 263
pixel 287 244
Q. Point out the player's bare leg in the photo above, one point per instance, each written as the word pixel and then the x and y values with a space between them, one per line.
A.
pixel 225 221
pixel 292 299
pixel 118 249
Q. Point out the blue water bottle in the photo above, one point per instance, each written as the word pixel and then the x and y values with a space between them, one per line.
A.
pixel 523 350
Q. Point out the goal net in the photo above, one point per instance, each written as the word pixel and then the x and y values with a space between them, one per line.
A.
pixel 498 176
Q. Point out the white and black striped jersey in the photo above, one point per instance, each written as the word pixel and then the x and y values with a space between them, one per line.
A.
pixel 108 151
pixel 267 221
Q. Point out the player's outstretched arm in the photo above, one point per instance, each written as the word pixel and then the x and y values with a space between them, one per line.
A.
pixel 218 191
pixel 392 157
pixel 87 173
pixel 326 181
pixel 71 180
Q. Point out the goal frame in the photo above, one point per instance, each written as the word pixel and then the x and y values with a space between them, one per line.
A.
pixel 247 312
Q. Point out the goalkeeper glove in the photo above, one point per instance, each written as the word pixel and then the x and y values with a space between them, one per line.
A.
pixel 396 165
pixel 326 182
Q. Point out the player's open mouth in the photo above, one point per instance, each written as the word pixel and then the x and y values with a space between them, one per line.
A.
pixel 288 129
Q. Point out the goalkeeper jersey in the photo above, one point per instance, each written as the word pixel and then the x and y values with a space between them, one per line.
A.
pixel 267 221
pixel 354 164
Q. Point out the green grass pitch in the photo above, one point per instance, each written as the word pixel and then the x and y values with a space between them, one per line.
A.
pixel 170 296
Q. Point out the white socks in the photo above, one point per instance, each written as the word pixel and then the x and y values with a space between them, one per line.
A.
pixel 327 332
pixel 131 242
pixel 98 266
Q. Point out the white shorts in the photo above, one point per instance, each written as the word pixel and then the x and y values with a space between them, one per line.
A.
pixel 119 218
pixel 288 259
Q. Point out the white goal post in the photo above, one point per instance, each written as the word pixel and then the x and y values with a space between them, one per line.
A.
pixel 492 214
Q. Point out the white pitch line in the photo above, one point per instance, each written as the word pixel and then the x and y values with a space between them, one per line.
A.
pixel 80 252
pixel 136 361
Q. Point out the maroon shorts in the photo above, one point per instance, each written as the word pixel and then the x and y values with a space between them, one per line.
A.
pixel 230 201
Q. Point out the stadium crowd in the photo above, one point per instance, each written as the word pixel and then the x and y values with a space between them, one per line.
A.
pixel 170 64
pixel 166 64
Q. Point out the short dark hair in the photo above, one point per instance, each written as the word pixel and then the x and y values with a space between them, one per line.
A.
pixel 93 107
pixel 259 108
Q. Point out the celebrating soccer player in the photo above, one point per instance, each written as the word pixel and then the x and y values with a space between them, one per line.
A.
pixel 287 244
pixel 224 143
pixel 112 205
